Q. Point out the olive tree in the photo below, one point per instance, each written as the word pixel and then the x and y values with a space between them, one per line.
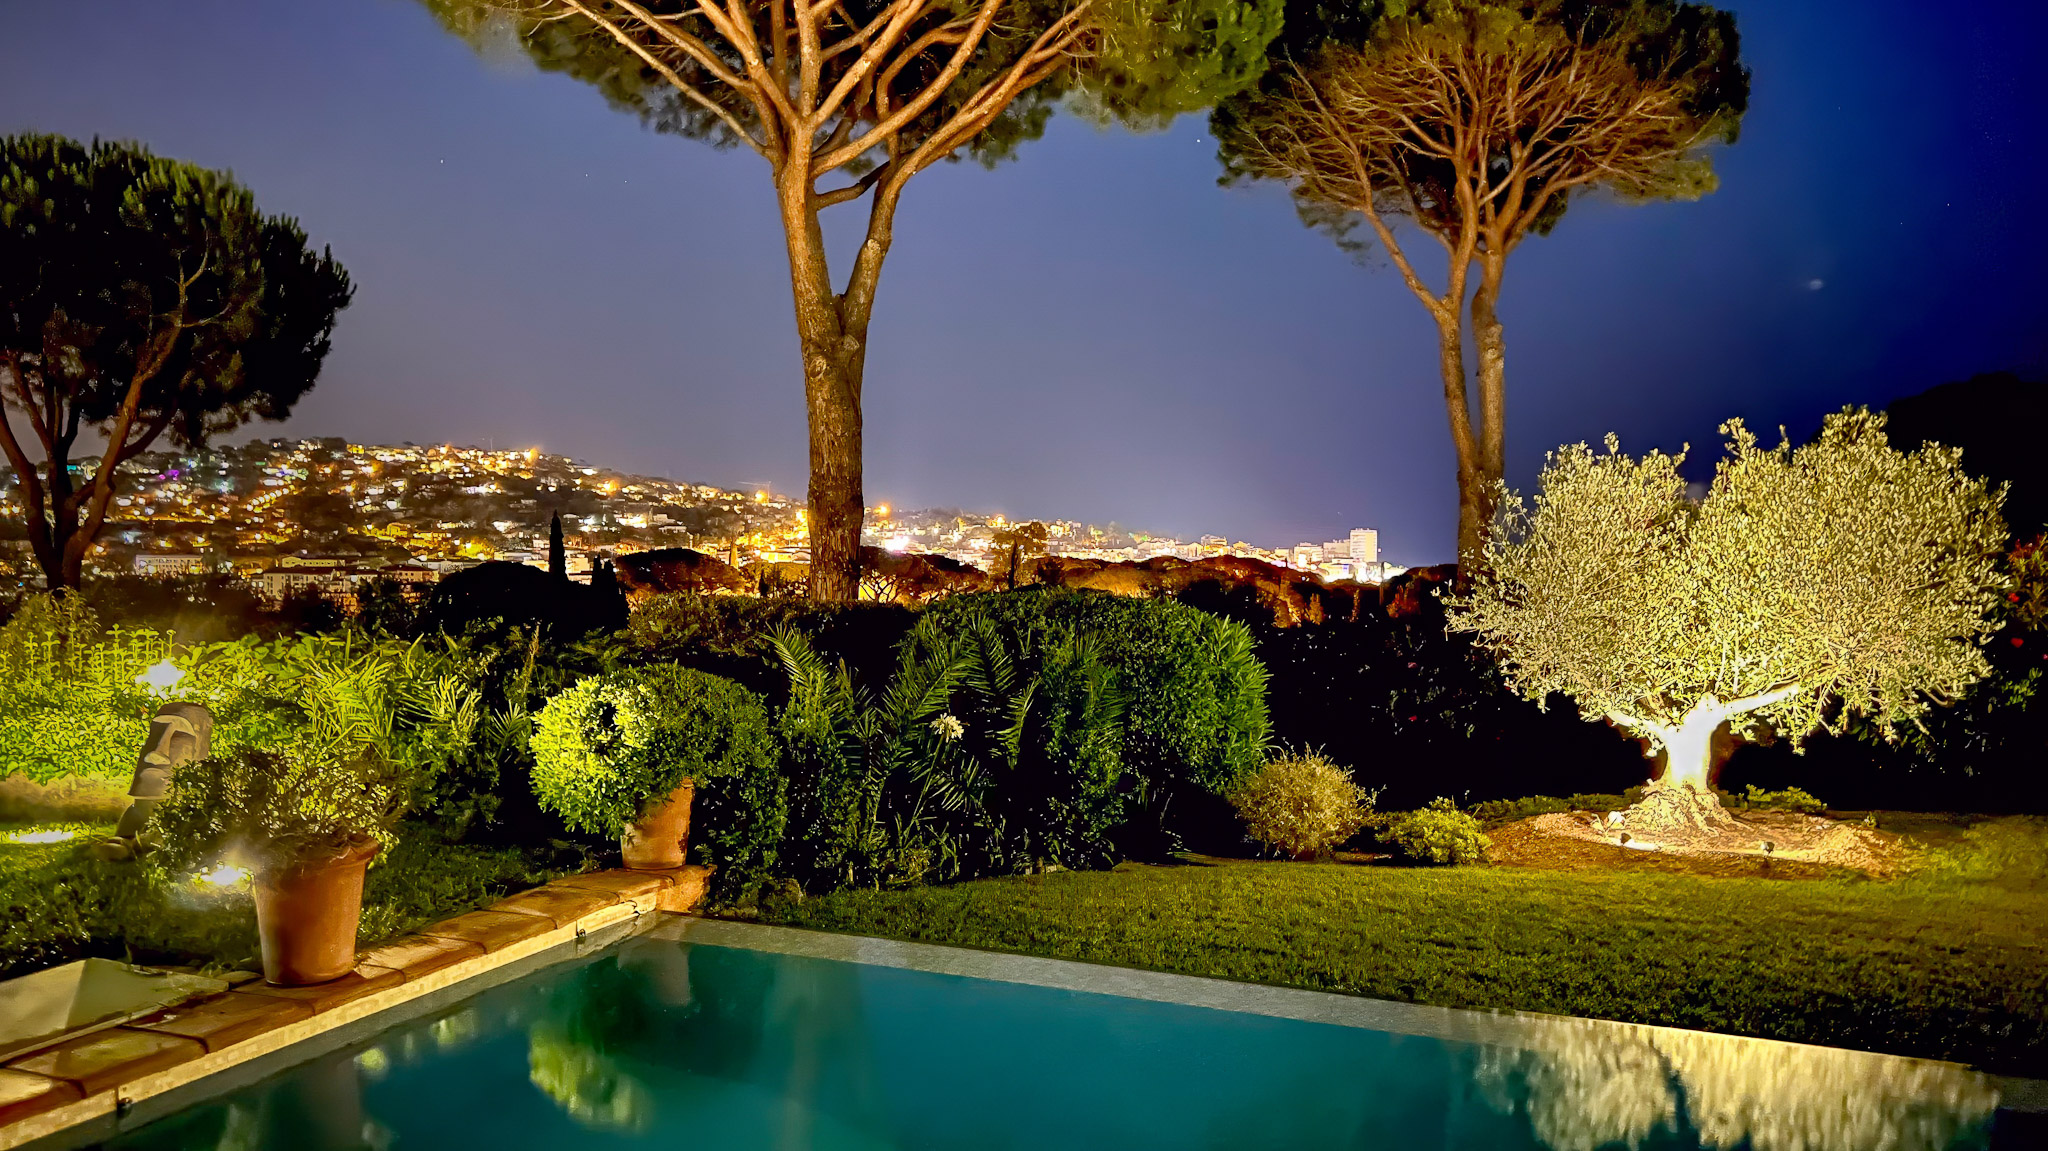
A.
pixel 1478 123
pixel 846 101
pixel 1808 585
pixel 140 297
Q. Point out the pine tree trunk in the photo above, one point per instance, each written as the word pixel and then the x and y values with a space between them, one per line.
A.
pixel 835 498
pixel 834 356
pixel 1474 490
pixel 1476 508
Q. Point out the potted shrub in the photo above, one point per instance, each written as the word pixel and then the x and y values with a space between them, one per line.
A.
pixel 305 825
pixel 620 754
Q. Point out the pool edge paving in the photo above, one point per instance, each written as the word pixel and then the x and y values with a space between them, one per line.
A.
pixel 53 1090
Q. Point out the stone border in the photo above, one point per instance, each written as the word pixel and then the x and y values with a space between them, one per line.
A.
pixel 99 1078
pixel 1497 1028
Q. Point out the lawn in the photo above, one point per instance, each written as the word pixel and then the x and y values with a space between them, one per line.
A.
pixel 57 903
pixel 1951 963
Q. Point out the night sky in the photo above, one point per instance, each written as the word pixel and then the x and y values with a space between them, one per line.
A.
pixel 1096 331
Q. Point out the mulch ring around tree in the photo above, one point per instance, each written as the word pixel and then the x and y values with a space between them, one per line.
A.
pixel 1803 847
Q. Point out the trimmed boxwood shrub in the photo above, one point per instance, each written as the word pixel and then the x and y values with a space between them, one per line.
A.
pixel 608 744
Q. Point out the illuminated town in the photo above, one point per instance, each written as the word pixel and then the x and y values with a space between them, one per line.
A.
pixel 305 515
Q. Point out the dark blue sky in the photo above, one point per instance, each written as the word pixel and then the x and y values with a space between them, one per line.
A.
pixel 1095 331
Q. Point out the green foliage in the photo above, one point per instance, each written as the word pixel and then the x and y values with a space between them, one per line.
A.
pixel 1146 62
pixel 1790 799
pixel 1494 812
pixel 263 809
pixel 1810 586
pixel 49 912
pixel 732 636
pixel 1195 692
pixel 1654 81
pixel 141 296
pixel 70 703
pixel 1438 834
pixel 1157 61
pixel 2009 854
pixel 607 746
pixel 878 793
pixel 1302 805
pixel 58 903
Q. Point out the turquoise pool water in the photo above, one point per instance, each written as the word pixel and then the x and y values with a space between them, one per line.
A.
pixel 659 1043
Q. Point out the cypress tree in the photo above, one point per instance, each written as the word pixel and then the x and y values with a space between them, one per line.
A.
pixel 558 555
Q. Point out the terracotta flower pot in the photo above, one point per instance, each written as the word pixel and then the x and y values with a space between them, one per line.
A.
pixel 654 842
pixel 306 913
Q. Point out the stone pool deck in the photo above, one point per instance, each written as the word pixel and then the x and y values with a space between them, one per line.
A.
pixel 109 1071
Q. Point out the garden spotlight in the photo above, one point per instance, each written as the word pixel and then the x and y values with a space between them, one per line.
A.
pixel 225 875
pixel 161 677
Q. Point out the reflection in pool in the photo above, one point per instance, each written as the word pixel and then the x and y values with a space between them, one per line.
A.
pixel 659 1043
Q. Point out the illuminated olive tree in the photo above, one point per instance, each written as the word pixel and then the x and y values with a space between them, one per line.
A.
pixel 1809 585
pixel 875 91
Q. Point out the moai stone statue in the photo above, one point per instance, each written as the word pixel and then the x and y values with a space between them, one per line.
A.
pixel 179 733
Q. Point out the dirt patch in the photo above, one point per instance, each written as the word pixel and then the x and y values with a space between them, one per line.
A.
pixel 1770 844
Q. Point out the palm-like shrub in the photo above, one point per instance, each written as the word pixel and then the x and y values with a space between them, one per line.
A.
pixel 1438 834
pixel 607 746
pixel 983 756
pixel 1195 690
pixel 1302 805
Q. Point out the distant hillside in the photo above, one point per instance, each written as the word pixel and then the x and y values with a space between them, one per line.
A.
pixel 1998 420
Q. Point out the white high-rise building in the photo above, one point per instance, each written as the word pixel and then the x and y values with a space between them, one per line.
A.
pixel 1365 554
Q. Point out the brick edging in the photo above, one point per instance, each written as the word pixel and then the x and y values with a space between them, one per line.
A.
pixel 54 1088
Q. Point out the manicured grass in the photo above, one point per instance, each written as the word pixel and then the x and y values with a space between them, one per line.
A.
pixel 1948 968
pixel 57 903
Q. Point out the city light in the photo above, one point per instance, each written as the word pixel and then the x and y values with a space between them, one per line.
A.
pixel 161 677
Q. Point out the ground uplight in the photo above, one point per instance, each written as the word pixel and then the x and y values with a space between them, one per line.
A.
pixel 226 875
pixel 41 835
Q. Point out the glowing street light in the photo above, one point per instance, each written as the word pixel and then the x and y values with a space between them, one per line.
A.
pixel 161 677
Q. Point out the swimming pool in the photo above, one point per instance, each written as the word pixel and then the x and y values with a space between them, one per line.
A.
pixel 679 1038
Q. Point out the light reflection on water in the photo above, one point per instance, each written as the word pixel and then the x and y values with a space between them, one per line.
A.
pixel 663 1044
